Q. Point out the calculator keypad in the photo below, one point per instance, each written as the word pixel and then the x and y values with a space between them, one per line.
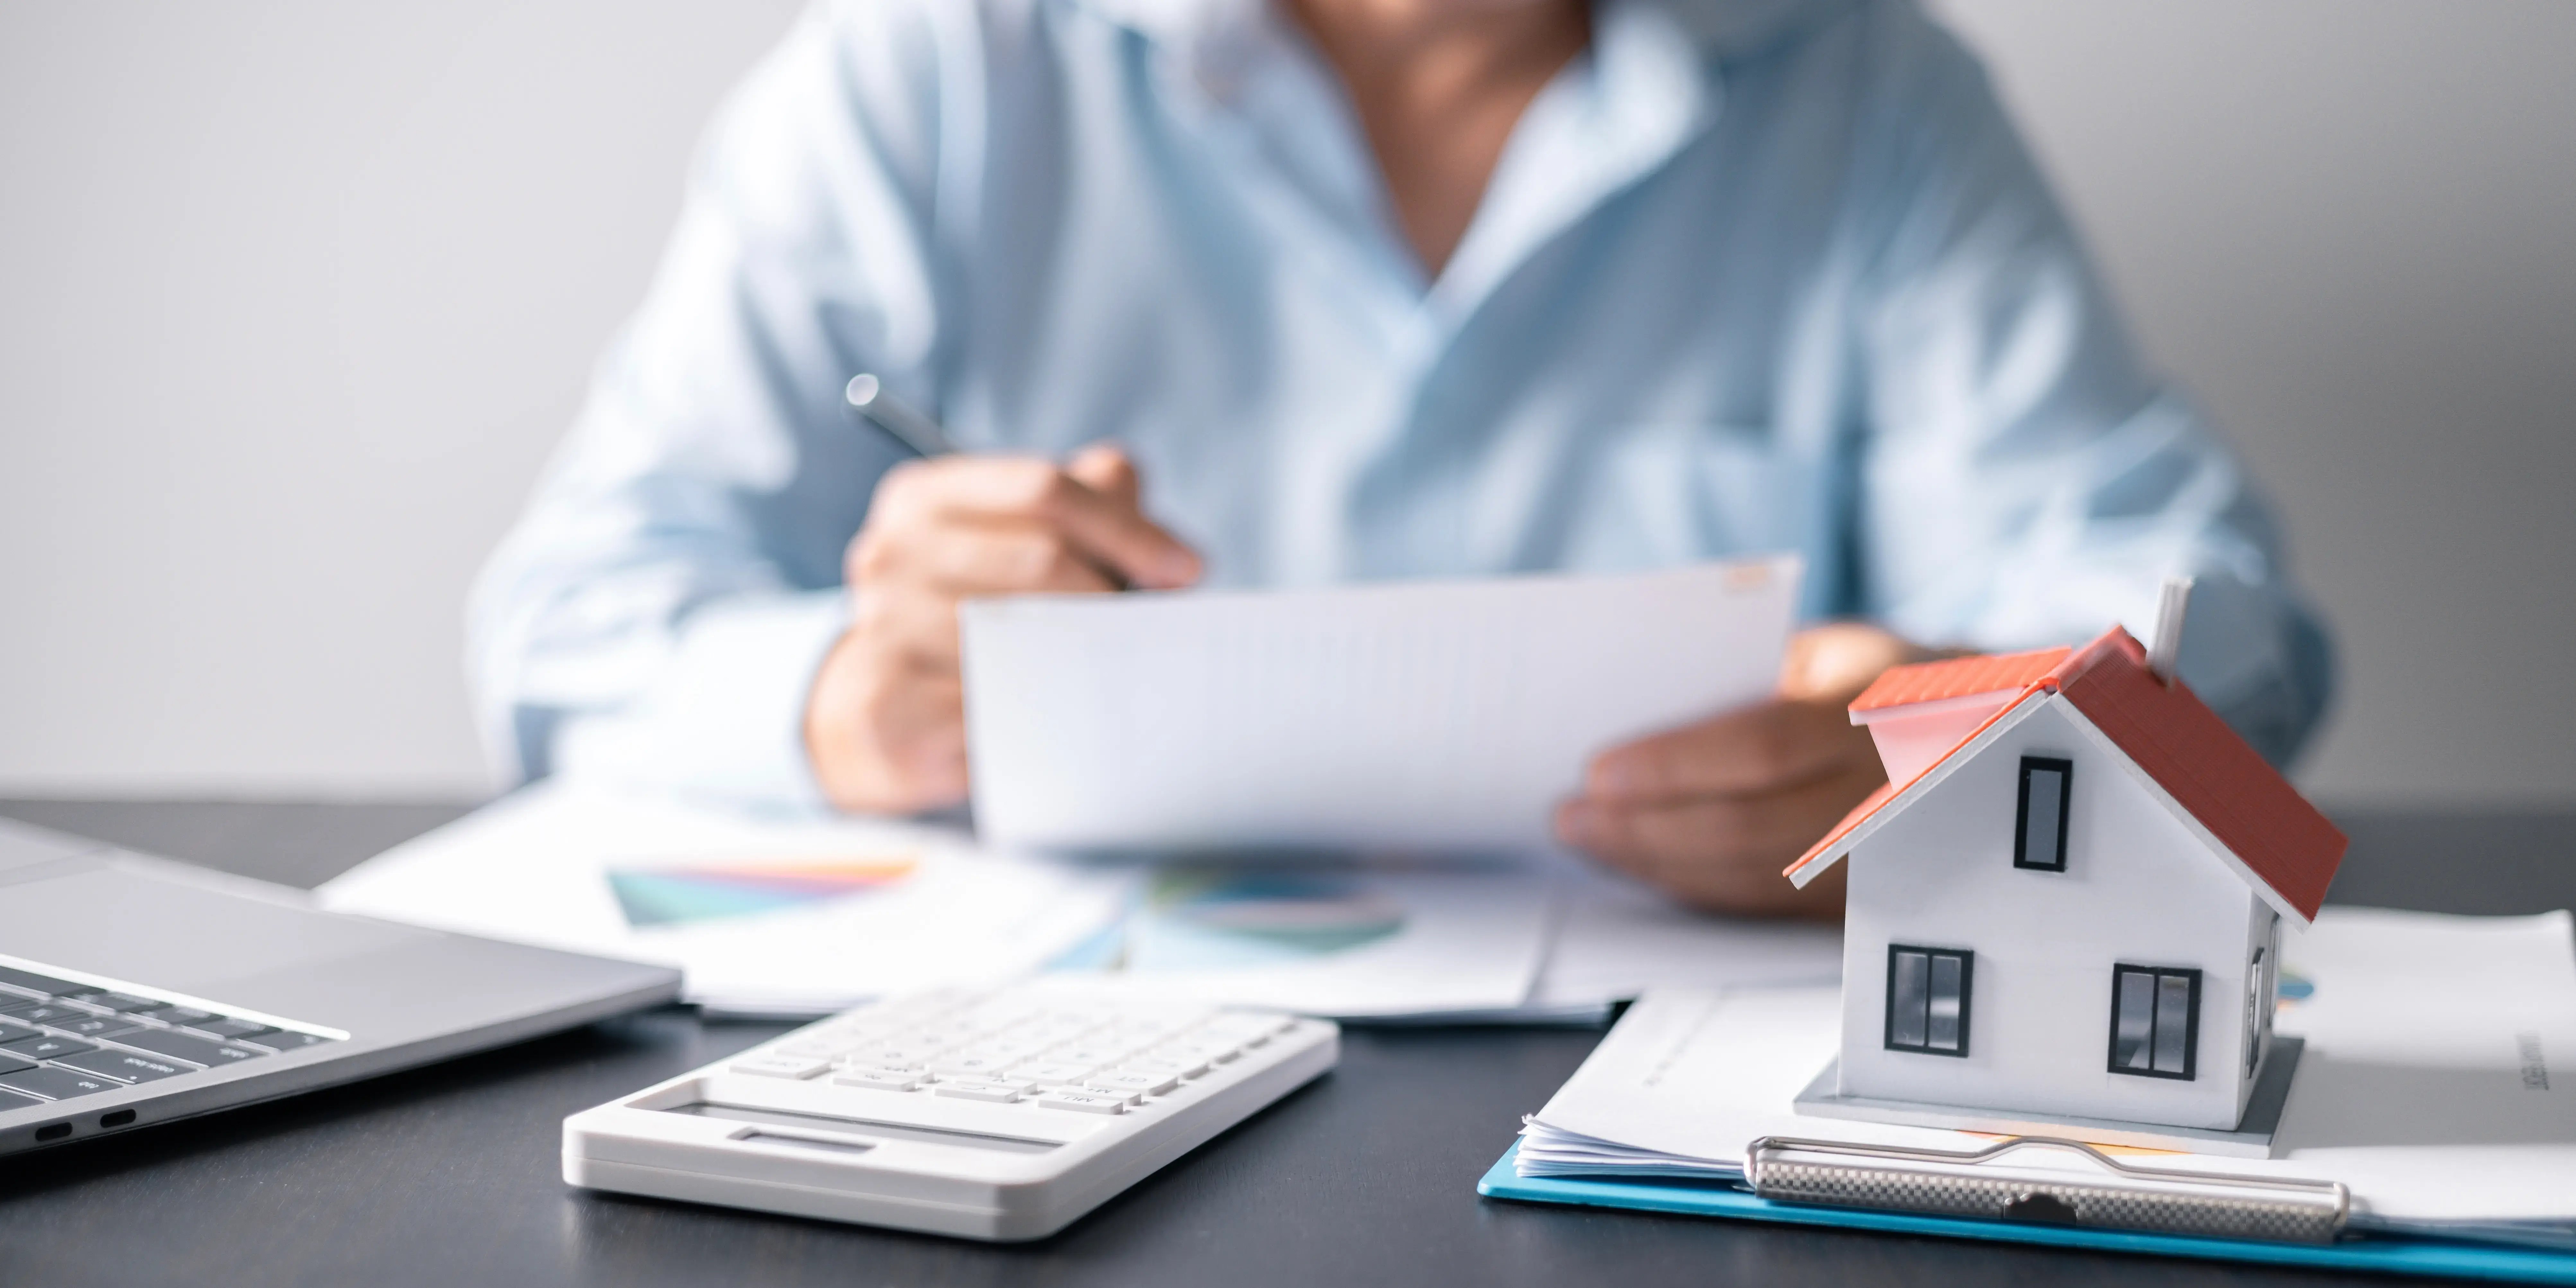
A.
pixel 1076 1057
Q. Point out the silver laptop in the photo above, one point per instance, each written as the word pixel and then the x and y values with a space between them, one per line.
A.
pixel 135 990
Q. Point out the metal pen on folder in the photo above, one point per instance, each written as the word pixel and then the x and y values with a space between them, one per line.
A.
pixel 1986 1184
pixel 866 397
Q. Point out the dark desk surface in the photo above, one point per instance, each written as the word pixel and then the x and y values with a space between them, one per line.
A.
pixel 447 1176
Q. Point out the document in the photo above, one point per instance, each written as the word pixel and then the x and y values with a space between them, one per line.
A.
pixel 1617 939
pixel 1347 941
pixel 2426 1086
pixel 763 916
pixel 808 916
pixel 1408 715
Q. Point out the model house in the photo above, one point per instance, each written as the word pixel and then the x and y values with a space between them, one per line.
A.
pixel 2067 901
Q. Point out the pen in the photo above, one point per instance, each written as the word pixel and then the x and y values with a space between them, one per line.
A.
pixel 867 399
pixel 918 434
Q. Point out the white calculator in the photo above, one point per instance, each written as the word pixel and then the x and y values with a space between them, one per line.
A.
pixel 987 1114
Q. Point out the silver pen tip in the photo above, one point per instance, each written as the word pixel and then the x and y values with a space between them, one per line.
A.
pixel 861 390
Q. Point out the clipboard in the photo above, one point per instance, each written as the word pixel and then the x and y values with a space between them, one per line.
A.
pixel 2381 1254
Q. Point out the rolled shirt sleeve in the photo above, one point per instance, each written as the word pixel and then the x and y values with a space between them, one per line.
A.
pixel 657 616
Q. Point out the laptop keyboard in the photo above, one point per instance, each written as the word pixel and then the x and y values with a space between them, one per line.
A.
pixel 60 1039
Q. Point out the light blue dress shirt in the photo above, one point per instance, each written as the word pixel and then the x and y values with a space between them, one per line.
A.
pixel 1751 275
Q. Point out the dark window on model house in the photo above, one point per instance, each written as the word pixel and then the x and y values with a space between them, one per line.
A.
pixel 2039 827
pixel 1927 999
pixel 2155 1021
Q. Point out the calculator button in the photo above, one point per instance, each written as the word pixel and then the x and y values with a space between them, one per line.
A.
pixel 1134 1082
pixel 990 1092
pixel 1087 1054
pixel 1004 1048
pixel 847 1065
pixel 1051 1072
pixel 778 1066
pixel 893 1054
pixel 968 1066
pixel 1198 1053
pixel 876 1081
pixel 1083 1102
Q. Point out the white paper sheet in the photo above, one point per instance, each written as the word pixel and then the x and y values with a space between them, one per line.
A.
pixel 545 867
pixel 2426 1085
pixel 1616 939
pixel 1450 715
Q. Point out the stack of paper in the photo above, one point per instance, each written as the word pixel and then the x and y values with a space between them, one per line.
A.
pixel 2425 1086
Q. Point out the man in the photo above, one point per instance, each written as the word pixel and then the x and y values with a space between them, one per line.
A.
pixel 1366 289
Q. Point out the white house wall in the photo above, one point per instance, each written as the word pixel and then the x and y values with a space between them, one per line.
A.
pixel 2138 888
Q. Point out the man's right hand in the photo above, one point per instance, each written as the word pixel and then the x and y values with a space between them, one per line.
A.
pixel 885 723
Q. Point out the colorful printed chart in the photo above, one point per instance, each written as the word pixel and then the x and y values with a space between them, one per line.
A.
pixel 679 894
pixel 1195 921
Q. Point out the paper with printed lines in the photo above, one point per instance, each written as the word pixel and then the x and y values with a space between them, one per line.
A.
pixel 1440 715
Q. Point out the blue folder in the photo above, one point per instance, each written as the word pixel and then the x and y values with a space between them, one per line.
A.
pixel 2405 1256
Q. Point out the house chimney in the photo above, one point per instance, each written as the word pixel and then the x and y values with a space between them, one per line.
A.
pixel 2167 645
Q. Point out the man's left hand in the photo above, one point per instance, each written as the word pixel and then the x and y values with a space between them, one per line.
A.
pixel 1713 811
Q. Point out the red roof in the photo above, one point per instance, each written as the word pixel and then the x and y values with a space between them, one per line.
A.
pixel 2168 732
pixel 1958 677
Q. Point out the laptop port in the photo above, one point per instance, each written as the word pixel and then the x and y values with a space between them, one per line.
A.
pixel 118 1119
pixel 53 1131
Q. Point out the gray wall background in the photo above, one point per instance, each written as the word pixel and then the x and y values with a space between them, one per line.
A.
pixel 295 296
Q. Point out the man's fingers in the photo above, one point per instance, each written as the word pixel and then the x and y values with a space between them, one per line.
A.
pixel 1002 560
pixel 1718 852
pixel 1761 833
pixel 983 489
pixel 1757 749
pixel 909 629
pixel 1121 536
pixel 1106 470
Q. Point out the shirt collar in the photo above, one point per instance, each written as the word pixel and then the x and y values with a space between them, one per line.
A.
pixel 1718 29
pixel 1648 84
